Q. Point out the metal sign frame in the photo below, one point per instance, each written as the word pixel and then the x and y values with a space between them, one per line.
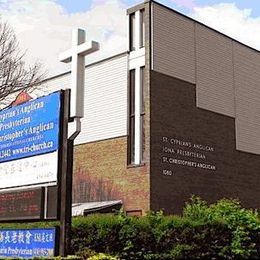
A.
pixel 64 178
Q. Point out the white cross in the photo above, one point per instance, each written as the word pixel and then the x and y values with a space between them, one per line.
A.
pixel 76 55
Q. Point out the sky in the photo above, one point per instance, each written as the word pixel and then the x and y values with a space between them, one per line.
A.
pixel 44 27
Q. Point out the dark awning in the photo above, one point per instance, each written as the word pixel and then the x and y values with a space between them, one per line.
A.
pixel 82 209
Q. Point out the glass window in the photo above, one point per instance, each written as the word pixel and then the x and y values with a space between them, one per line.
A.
pixel 132 31
pixel 142 115
pixel 131 136
pixel 142 29
pixel 131 118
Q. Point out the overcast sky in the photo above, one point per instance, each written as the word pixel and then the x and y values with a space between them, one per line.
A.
pixel 44 27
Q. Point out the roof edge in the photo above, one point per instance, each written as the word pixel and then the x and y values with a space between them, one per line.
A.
pixel 86 66
pixel 198 22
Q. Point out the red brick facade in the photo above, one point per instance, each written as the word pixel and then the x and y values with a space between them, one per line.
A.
pixel 101 173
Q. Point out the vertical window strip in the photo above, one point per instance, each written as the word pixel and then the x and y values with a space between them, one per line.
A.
pixel 133 147
pixel 142 28
pixel 132 32
pixel 137 115
pixel 142 113
pixel 142 102
pixel 131 141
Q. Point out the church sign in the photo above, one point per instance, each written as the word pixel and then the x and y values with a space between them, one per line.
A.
pixel 33 141
pixel 27 243
pixel 28 130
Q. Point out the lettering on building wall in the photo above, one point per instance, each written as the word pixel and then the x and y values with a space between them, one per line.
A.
pixel 176 151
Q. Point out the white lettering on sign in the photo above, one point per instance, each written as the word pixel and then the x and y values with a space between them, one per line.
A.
pixel 29 171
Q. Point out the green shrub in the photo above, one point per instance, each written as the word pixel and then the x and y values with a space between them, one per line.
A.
pixel 220 230
pixel 196 210
pixel 102 256
pixel 242 223
pixel 152 237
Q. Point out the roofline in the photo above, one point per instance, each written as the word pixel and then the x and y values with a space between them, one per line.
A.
pixel 129 10
pixel 86 66
pixel 192 19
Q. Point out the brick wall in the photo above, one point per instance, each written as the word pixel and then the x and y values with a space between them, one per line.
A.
pixel 193 151
pixel 101 173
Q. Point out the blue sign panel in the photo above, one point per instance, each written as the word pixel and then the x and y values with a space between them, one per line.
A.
pixel 27 243
pixel 30 129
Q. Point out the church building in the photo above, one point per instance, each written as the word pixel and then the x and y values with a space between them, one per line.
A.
pixel 176 114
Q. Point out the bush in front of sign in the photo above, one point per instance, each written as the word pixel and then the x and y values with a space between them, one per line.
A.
pixel 96 232
pixel 220 230
pixel 89 254
pixel 102 256
pixel 152 237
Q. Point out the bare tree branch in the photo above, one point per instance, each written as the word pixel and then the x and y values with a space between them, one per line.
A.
pixel 14 75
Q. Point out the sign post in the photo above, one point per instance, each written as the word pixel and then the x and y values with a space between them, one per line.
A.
pixel 74 101
pixel 65 182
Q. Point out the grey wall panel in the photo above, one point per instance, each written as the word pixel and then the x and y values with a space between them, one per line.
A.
pixel 226 73
pixel 247 88
pixel 214 68
pixel 173 44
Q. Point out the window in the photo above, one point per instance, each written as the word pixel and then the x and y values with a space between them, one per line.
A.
pixel 142 113
pixel 132 31
pixel 142 29
pixel 131 139
pixel 136 143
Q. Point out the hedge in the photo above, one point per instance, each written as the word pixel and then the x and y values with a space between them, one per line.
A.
pixel 220 230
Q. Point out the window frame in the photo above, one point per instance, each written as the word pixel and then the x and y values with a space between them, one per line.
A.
pixel 132 31
pixel 131 118
pixel 142 28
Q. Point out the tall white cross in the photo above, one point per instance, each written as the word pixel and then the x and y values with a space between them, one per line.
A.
pixel 76 55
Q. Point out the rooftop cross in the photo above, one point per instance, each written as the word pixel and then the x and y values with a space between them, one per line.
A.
pixel 76 55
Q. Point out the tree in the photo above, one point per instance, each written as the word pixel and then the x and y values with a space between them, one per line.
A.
pixel 15 76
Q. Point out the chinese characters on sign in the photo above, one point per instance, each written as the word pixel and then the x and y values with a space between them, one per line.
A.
pixel 27 243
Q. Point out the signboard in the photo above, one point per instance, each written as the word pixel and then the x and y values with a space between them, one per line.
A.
pixel 27 130
pixel 27 243
pixel 31 154
pixel 30 129
pixel 20 205
pixel 28 171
